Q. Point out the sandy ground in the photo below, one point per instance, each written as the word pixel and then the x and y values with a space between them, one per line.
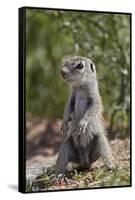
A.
pixel 43 141
pixel 120 149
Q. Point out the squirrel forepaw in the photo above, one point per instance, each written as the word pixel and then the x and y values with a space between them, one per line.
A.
pixel 64 127
pixel 81 128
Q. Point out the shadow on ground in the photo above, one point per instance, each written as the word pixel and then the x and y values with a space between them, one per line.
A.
pixel 13 187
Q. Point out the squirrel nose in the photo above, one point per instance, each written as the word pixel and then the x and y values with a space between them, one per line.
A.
pixel 63 72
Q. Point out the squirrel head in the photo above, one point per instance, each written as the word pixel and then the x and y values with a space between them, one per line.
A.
pixel 78 71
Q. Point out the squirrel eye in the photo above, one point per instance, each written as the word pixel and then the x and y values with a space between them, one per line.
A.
pixel 79 66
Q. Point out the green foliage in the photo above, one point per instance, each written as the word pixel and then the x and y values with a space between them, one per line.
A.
pixel 97 178
pixel 54 35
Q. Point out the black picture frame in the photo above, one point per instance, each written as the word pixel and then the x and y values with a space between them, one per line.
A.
pixel 22 98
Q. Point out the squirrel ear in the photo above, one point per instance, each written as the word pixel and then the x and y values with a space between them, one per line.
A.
pixel 92 67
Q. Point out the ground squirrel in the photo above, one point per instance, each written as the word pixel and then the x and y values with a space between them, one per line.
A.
pixel 84 138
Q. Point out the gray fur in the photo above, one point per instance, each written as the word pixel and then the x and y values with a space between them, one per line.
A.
pixel 84 139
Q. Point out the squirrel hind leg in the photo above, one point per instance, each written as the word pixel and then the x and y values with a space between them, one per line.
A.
pixel 94 153
pixel 66 155
pixel 94 156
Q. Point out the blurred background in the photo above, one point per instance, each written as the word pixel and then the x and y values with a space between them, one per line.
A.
pixel 52 36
